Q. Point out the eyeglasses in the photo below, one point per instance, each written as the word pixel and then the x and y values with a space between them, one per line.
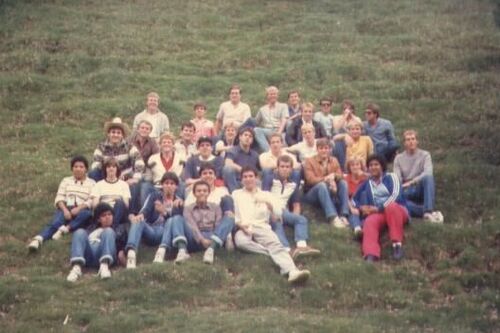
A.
pixel 325 104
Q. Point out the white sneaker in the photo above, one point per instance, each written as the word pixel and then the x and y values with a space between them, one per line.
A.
pixel 131 262
pixel 159 256
pixel 297 276
pixel 74 274
pixel 345 221
pixel 35 244
pixel 57 235
pixel 438 216
pixel 104 271
pixel 182 255
pixel 338 223
pixel 229 243
pixel 208 256
pixel 430 217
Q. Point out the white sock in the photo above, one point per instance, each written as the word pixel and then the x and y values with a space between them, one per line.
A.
pixel 301 243
pixel 161 251
pixel 396 244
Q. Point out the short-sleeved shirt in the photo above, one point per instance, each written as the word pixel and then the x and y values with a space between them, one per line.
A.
pixel 111 192
pixel 272 118
pixel 230 113
pixel 203 127
pixel 243 158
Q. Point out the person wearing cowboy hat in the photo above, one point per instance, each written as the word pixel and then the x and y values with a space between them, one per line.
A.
pixel 129 159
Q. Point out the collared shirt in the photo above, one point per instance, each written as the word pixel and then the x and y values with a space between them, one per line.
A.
pixel 146 148
pixel 215 196
pixel 230 113
pixel 382 134
pixel 204 127
pixel 250 207
pixel 243 158
pixel 268 161
pixel 287 192
pixel 159 120
pixel 202 219
pixel 185 151
pixel 271 118
pixel 75 192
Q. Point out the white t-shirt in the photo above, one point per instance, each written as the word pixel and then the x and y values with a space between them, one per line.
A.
pixel 110 192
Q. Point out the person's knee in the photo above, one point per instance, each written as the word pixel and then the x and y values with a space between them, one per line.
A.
pixel 80 233
pixel 108 232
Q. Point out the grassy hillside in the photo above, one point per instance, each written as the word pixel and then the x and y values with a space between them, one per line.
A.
pixel 434 65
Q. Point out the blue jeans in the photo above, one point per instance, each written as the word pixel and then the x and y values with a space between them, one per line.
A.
pixel 58 220
pixel 167 238
pixel 261 135
pixel 298 222
pixel 182 232
pixel 232 178
pixel 150 234
pixel 329 202
pixel 354 220
pixel 227 204
pixel 420 197
pixel 339 152
pixel 87 254
pixel 120 212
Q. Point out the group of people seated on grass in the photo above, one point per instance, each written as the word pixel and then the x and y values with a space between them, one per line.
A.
pixel 239 182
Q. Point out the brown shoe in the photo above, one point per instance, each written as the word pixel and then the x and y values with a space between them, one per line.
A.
pixel 304 251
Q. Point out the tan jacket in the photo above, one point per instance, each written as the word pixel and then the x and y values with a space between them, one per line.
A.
pixel 314 173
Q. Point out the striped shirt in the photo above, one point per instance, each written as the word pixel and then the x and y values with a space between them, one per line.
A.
pixel 127 155
pixel 75 192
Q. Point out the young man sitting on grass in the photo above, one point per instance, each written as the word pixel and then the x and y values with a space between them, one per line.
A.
pixel 414 169
pixel 203 228
pixel 95 247
pixel 286 190
pixel 73 204
pixel 154 221
pixel 254 209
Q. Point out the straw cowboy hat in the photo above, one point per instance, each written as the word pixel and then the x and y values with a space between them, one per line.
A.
pixel 116 123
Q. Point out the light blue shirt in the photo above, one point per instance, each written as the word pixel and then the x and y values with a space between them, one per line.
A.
pixel 380 193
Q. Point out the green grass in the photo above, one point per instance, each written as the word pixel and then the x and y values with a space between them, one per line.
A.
pixel 68 66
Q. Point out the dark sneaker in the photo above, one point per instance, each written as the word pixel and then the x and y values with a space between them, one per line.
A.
pixel 304 251
pixel 397 252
